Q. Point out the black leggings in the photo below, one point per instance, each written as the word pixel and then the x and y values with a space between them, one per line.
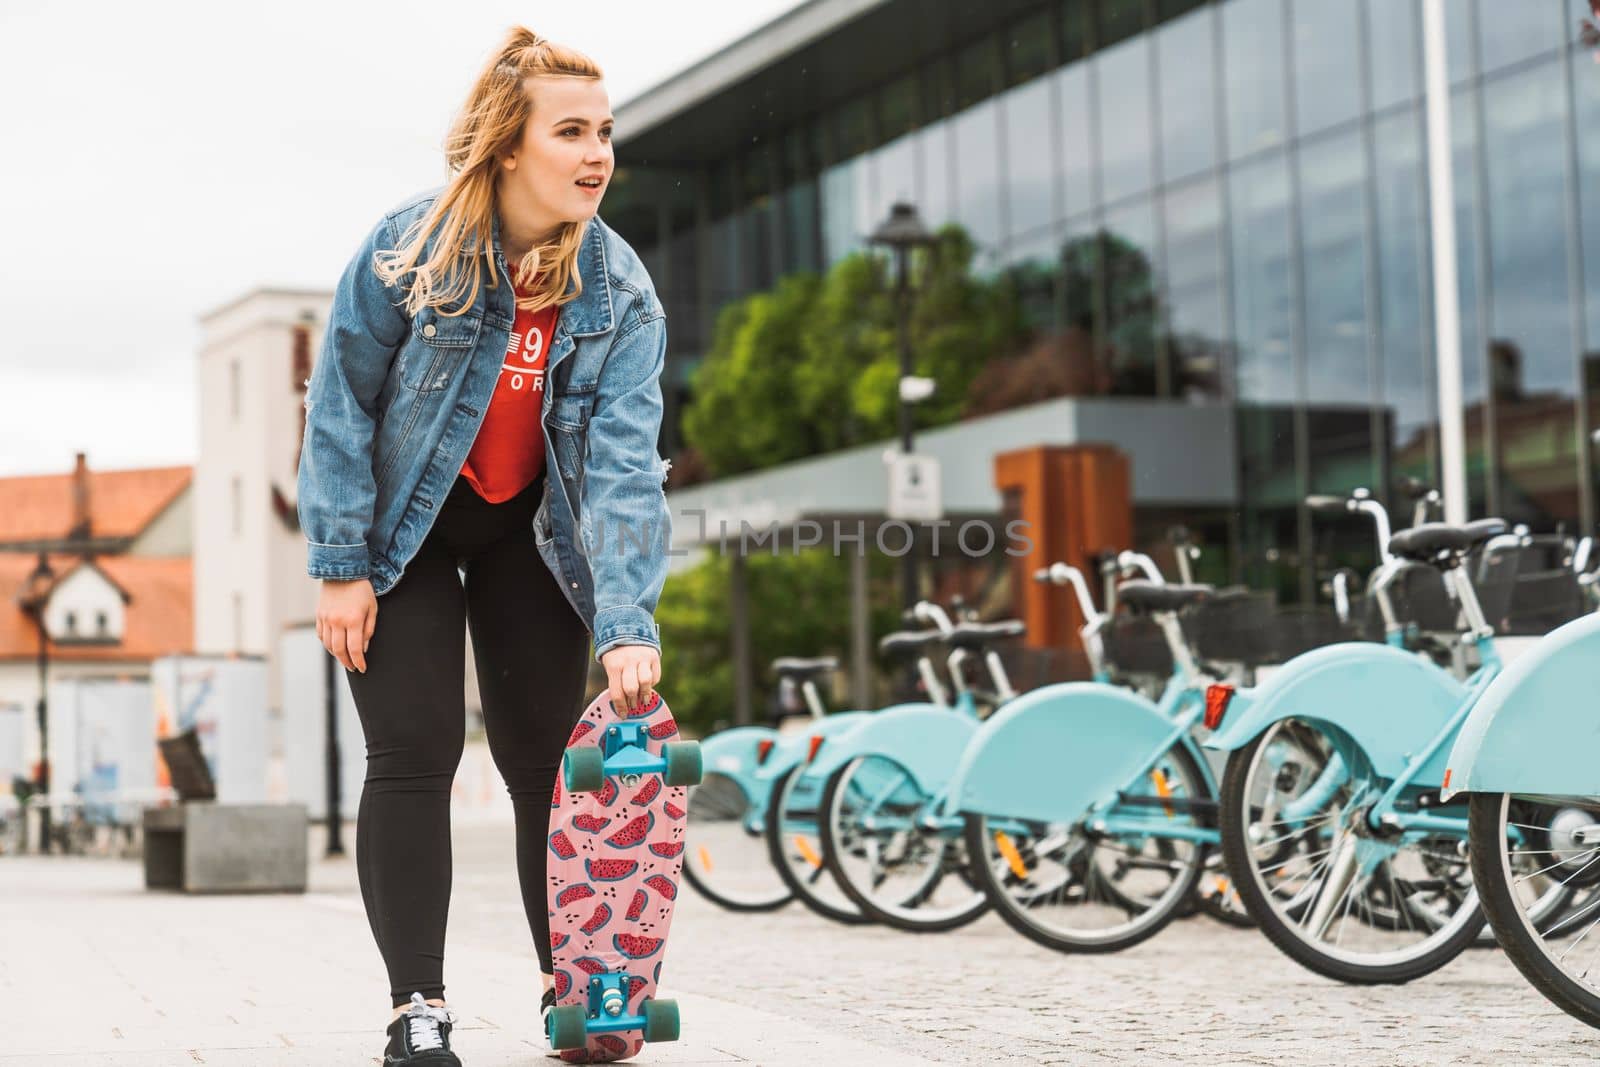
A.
pixel 532 654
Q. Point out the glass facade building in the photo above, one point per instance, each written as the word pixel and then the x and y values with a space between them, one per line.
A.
pixel 1229 196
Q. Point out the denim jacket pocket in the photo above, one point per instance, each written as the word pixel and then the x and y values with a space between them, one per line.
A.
pixel 437 348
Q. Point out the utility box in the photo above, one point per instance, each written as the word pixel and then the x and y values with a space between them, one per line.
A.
pixel 201 846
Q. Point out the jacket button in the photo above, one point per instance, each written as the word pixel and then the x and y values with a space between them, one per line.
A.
pixel 574 585
pixel 429 330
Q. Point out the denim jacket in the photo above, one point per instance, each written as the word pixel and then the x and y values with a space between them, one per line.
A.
pixel 394 404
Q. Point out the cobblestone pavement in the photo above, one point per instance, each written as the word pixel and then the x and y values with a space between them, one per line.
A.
pixel 94 970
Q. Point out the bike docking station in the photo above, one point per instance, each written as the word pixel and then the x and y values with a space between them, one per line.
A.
pixel 202 846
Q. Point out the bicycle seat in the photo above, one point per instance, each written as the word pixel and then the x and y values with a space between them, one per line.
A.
pixel 1440 542
pixel 800 668
pixel 979 635
pixel 907 644
pixel 1148 596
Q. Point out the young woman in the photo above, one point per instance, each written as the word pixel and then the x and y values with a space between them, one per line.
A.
pixel 488 390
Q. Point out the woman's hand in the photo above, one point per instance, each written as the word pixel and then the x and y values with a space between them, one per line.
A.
pixel 347 612
pixel 632 671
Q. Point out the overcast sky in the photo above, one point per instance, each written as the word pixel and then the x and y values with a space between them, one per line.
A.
pixel 168 157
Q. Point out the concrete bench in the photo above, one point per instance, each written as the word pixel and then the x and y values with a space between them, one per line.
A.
pixel 201 846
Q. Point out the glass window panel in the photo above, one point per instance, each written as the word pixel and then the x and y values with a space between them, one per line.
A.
pixel 937 198
pixel 1119 20
pixel 1259 239
pixel 1077 148
pixel 978 192
pixel 1511 33
pixel 1123 76
pixel 1531 351
pixel 800 226
pixel 852 129
pixel 1461 39
pixel 977 71
pixel 1185 55
pixel 1333 234
pixel 1129 309
pixel 896 177
pixel 725 260
pixel 1033 266
pixel 1029 52
pixel 897 108
pixel 755 237
pixel 1074 29
pixel 1030 156
pixel 1394 51
pixel 1327 64
pixel 1252 70
pixel 1405 295
pixel 1080 281
pixel 938 89
pixel 839 236
pixel 1196 325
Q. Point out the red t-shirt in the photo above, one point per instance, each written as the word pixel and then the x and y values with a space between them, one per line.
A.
pixel 508 453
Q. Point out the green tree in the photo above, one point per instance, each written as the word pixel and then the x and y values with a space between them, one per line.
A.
pixel 811 366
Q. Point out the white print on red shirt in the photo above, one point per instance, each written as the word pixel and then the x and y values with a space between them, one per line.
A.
pixel 528 347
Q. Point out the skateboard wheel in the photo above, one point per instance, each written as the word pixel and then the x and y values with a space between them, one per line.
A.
pixel 584 769
pixel 567 1027
pixel 661 1020
pixel 683 762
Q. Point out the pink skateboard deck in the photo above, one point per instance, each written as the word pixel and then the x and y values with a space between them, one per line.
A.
pixel 616 857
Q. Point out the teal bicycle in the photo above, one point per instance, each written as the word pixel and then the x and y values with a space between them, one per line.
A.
pixel 1332 819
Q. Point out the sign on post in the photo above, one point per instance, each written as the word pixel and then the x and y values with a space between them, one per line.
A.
pixel 914 487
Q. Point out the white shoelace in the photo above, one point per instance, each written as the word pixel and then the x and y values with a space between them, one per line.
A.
pixel 422 1023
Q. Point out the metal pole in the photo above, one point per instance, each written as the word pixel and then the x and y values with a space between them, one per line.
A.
pixel 44 733
pixel 335 792
pixel 902 255
pixel 1446 311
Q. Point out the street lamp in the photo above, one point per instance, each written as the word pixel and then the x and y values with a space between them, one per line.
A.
pixel 35 595
pixel 902 232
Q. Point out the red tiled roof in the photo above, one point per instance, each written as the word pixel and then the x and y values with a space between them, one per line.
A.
pixel 121 503
pixel 159 612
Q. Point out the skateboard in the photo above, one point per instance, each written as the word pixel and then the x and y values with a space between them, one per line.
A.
pixel 616 841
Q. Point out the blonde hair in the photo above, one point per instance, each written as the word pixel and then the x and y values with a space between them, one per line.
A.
pixel 488 128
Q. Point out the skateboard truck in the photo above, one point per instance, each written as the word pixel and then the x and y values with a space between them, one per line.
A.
pixel 626 755
pixel 569 1026
pixel 622 754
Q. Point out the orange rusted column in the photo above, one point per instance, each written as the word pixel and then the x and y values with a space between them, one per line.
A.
pixel 1076 501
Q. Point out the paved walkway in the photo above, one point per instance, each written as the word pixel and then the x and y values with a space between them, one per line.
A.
pixel 96 971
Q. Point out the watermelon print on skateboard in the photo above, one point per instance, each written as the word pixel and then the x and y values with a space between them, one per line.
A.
pixel 616 858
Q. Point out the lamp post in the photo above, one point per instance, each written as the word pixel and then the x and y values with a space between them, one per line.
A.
pixel 33 600
pixel 902 232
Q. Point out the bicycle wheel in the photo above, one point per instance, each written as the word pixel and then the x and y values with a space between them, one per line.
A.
pixel 885 859
pixel 1523 850
pixel 1342 898
pixel 1073 888
pixel 725 858
pixel 795 849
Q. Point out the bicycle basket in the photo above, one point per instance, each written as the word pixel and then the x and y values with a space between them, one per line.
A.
pixel 1235 626
pixel 1134 646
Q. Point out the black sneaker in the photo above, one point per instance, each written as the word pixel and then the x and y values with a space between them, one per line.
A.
pixel 546 1003
pixel 421 1036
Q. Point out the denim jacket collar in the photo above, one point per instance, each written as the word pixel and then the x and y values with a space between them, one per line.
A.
pixel 591 313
